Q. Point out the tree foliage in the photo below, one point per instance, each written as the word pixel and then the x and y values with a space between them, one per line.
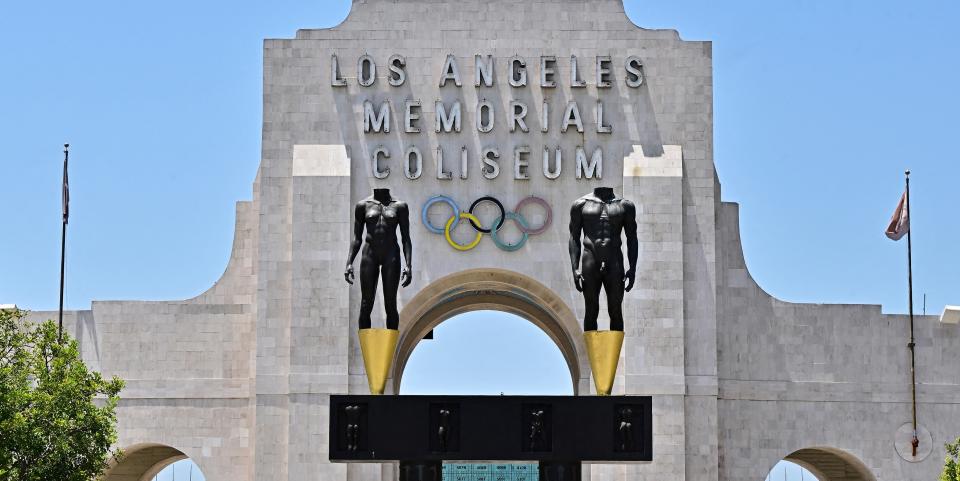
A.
pixel 57 418
pixel 951 466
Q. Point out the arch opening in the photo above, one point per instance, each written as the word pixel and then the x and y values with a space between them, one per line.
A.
pixel 487 353
pixel 497 290
pixel 184 470
pixel 821 464
pixel 790 471
pixel 144 462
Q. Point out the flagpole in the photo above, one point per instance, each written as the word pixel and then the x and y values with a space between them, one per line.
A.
pixel 63 238
pixel 915 442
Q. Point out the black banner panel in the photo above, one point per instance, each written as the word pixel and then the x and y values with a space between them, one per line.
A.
pixel 502 428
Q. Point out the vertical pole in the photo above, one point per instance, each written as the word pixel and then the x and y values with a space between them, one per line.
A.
pixel 63 239
pixel 915 442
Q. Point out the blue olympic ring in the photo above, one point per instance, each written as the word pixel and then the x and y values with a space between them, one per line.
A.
pixel 436 199
pixel 516 216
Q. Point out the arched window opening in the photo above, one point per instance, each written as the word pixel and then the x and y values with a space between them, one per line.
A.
pixel 787 471
pixel 820 464
pixel 183 470
pixel 153 462
pixel 487 353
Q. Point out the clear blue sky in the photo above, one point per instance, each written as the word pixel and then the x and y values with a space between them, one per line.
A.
pixel 820 105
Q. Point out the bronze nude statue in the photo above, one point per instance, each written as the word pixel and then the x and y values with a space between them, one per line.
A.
pixel 380 215
pixel 601 217
pixel 597 220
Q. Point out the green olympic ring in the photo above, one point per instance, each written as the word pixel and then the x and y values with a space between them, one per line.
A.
pixel 523 229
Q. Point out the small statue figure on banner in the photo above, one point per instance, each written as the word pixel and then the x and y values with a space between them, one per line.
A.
pixel 626 429
pixel 443 432
pixel 353 427
pixel 537 440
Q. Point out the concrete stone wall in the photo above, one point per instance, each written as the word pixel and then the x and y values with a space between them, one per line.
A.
pixel 239 377
pixel 795 376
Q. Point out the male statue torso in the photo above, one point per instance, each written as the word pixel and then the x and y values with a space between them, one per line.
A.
pixel 597 220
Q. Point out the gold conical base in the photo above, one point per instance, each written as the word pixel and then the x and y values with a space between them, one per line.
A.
pixel 603 348
pixel 378 347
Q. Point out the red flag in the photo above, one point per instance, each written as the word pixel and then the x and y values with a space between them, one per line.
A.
pixel 900 221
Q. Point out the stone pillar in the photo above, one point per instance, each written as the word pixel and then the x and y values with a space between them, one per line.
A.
pixel 319 323
pixel 653 355
pixel 271 381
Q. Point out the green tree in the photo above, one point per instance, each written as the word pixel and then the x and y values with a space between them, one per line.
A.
pixel 57 418
pixel 951 466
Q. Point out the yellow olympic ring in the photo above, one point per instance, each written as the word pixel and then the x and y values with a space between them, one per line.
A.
pixel 453 243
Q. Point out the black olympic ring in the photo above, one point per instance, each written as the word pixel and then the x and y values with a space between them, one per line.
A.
pixel 500 218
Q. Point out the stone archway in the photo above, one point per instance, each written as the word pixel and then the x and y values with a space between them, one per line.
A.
pixel 141 462
pixel 493 289
pixel 831 464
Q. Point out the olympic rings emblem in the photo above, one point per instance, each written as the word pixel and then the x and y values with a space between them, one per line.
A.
pixel 457 215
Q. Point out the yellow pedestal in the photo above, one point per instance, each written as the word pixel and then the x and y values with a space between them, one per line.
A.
pixel 378 347
pixel 603 348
